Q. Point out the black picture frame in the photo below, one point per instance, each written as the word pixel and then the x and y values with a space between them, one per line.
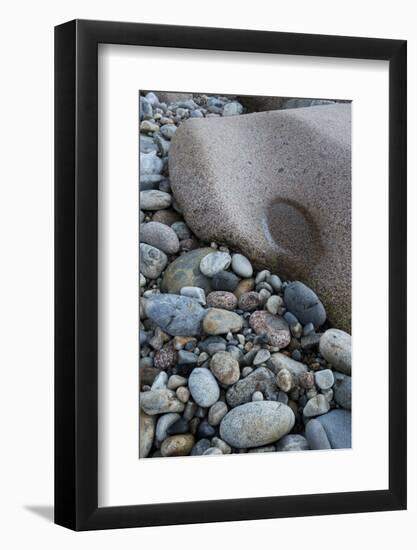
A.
pixel 76 270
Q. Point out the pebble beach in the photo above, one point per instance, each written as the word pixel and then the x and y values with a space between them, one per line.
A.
pixel 234 357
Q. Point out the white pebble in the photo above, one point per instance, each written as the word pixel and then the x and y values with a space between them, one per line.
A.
pixel 257 396
pixel 273 304
pixel 214 262
pixel 242 266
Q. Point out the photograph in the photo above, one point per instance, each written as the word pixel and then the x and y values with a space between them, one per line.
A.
pixel 207 219
pixel 244 274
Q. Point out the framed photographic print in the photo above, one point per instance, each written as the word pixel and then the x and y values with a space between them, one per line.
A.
pixel 230 275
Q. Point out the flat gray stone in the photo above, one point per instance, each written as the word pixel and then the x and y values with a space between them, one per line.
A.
pixel 279 361
pixel 256 424
pixel 160 236
pixel 338 427
pixel 152 261
pixel 150 163
pixel 160 401
pixel 217 412
pixel 316 436
pixel 185 271
pixel 221 321
pixel 302 302
pixel 242 266
pixel 336 347
pixel 287 202
pixel 262 356
pixel 275 282
pixel 214 262
pixel 316 406
pixel 203 387
pixel 154 200
pixel 175 315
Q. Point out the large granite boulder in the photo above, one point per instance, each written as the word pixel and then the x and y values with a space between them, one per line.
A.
pixel 277 187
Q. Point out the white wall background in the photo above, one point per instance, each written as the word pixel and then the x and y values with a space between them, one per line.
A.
pixel 26 287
